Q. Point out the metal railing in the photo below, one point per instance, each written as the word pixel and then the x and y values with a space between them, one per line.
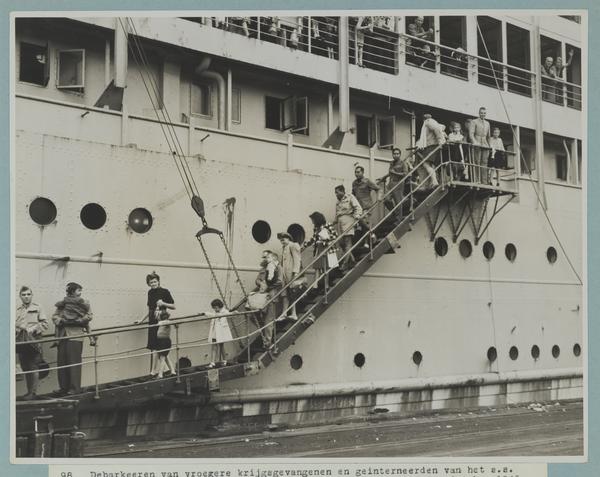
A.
pixel 446 169
pixel 557 91
pixel 383 49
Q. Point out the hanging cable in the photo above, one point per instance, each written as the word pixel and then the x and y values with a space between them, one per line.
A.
pixel 521 156
pixel 177 152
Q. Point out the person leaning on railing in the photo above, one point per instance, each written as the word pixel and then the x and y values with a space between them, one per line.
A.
pixel 71 318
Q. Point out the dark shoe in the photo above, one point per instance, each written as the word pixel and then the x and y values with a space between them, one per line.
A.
pixel 29 397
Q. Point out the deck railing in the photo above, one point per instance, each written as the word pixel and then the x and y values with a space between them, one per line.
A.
pixel 383 49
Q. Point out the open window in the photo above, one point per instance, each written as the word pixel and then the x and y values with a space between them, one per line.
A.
pixel 573 76
pixel 453 35
pixel 385 131
pixel 552 88
pixel 489 45
pixel 289 113
pixel 201 99
pixel 562 167
pixel 371 130
pixel 518 55
pixel 33 64
pixel 528 151
pixel 365 130
pixel 71 70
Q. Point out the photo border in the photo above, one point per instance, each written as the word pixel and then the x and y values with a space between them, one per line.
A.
pixel 590 168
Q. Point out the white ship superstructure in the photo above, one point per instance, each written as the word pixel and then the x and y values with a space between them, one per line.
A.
pixel 270 117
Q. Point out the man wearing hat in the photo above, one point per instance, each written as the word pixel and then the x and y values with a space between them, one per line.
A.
pixel 290 266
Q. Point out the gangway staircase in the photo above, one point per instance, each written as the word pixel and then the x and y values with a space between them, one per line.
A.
pixel 197 382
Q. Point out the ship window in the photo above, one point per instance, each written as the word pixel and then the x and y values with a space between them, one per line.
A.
pixel 287 114
pixel 492 354
pixel 33 64
pixel 440 246
pixel 261 231
pixel 551 255
pixel 273 113
pixel 489 250
pixel 465 248
pixel 359 360
pixel 453 34
pixel 573 75
pixel 71 70
pixel 576 349
pixel 556 351
pixel 236 105
pixel 528 146
pixel 417 358
pixel 296 362
pixel 202 99
pixel 535 351
pixel 42 211
pixel 561 167
pixel 140 220
pixel 297 232
pixel 93 216
pixel 513 353
pixel 511 252
pixel 518 54
pixel 365 131
pixel 489 42
pixel 551 89
pixel 386 128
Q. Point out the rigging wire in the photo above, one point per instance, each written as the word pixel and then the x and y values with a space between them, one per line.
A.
pixel 154 107
pixel 161 110
pixel 555 233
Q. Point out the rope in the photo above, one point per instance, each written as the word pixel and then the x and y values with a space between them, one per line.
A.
pixel 175 146
pixel 523 162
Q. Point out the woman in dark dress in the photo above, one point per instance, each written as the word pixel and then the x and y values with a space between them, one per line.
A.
pixel 159 299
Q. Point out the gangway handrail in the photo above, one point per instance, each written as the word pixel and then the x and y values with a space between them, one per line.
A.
pixel 203 316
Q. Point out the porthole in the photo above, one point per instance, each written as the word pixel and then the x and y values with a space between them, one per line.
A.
pixel 576 349
pixel 93 216
pixel 140 220
pixel 184 363
pixel 551 255
pixel 359 360
pixel 513 353
pixel 296 361
pixel 556 351
pixel 511 252
pixel 492 354
pixel 417 357
pixel 489 250
pixel 535 351
pixel 261 231
pixel 297 232
pixel 42 211
pixel 441 246
pixel 465 248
